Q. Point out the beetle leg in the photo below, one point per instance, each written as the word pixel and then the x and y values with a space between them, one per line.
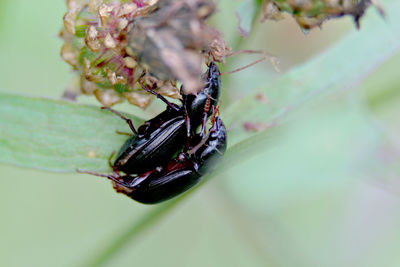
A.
pixel 205 115
pixel 201 143
pixel 169 104
pixel 122 133
pixel 109 160
pixel 113 177
pixel 188 128
pixel 128 121
pixel 203 125
pixel 215 113
pixel 187 121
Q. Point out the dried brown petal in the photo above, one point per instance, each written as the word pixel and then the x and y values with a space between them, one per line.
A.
pixel 94 5
pixel 71 4
pixel 165 88
pixel 122 23
pixel 141 100
pixel 88 74
pixel 127 9
pixel 91 39
pixel 69 55
pixel 130 62
pixel 143 11
pixel 169 89
pixel 87 87
pixel 308 23
pixel 108 97
pixel 109 42
pixel 113 78
pixel 105 13
pixel 92 32
pixel 129 51
pixel 151 2
pixel 69 20
pixel 270 11
pixel 137 73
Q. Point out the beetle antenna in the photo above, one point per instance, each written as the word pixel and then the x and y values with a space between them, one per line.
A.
pixel 233 125
pixel 274 60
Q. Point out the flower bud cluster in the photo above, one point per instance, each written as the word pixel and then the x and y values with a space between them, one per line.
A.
pixel 95 45
pixel 118 46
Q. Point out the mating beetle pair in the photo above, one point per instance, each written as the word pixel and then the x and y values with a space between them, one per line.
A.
pixel 151 172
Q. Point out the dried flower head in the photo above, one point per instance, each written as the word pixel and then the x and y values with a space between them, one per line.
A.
pixel 113 44
pixel 170 39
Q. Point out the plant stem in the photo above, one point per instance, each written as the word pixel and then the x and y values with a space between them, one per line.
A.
pixel 132 232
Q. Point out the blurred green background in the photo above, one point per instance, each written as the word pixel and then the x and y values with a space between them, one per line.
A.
pixel 326 193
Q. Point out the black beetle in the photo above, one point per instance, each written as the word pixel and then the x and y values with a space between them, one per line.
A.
pixel 158 139
pixel 179 174
pixel 163 137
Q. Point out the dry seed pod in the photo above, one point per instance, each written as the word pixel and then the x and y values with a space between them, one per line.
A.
pixel 312 13
pixel 113 43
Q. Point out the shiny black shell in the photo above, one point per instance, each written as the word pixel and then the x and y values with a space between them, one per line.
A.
pixel 195 104
pixel 160 138
pixel 174 179
pixel 144 152
pixel 179 174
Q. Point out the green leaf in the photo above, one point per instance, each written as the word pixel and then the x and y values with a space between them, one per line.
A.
pixel 3 9
pixel 57 135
